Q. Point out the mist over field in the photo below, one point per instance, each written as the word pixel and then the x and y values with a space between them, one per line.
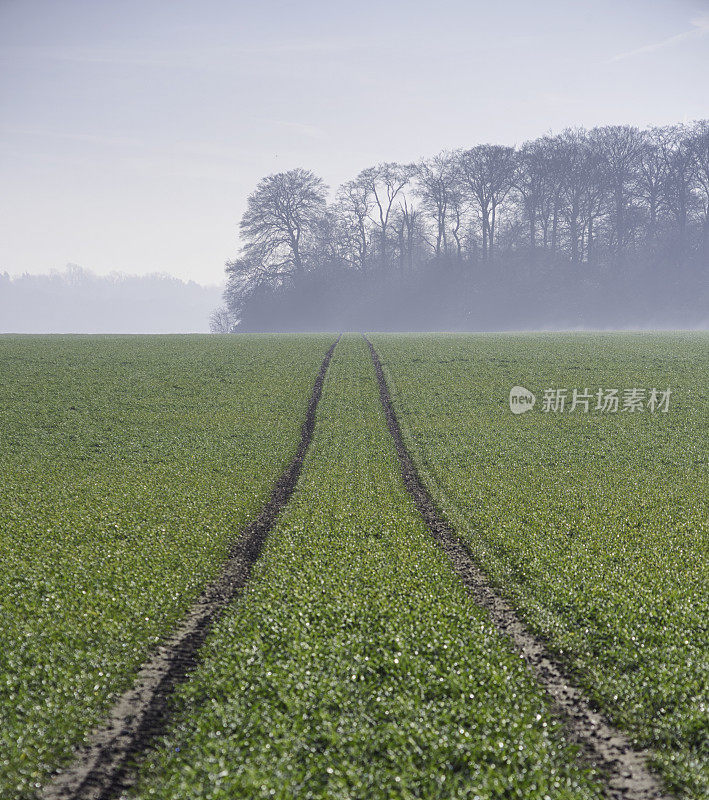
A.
pixel 584 229
pixel 354 176
pixel 78 301
pixel 510 297
pixel 415 504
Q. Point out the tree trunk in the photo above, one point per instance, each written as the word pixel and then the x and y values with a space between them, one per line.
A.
pixel 574 234
pixel 363 239
pixel 456 229
pixel 297 261
pixel 441 232
pixel 619 222
pixel 554 226
pixel 410 247
pixel 491 244
pixel 652 227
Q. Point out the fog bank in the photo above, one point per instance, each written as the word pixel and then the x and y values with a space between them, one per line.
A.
pixel 78 301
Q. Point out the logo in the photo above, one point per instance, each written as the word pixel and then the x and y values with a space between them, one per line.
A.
pixel 521 400
pixel 585 401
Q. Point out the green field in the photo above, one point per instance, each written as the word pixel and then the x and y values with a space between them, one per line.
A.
pixel 127 466
pixel 594 524
pixel 355 664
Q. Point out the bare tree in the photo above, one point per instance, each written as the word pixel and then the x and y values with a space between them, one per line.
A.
pixel 488 172
pixel 699 145
pixel 353 209
pixel 221 320
pixel 611 196
pixel 593 202
pixel 407 227
pixel 457 213
pixel 246 279
pixel 651 179
pixel 529 178
pixel 383 184
pixel 581 174
pixel 620 147
pixel 437 186
pixel 679 159
pixel 554 147
pixel 283 211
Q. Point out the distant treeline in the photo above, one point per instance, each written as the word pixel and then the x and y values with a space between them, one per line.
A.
pixel 77 301
pixel 588 228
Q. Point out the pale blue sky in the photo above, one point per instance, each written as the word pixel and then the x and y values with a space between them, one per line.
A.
pixel 131 132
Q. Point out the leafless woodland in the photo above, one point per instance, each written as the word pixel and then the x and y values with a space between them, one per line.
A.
pixel 606 227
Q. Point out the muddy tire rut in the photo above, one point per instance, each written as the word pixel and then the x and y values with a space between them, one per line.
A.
pixel 623 767
pixel 105 767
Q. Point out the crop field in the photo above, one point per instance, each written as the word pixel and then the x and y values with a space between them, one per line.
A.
pixel 594 524
pixel 356 662
pixel 127 466
pixel 356 665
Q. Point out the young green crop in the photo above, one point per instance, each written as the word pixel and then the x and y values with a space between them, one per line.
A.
pixel 356 665
pixel 127 466
pixel 593 524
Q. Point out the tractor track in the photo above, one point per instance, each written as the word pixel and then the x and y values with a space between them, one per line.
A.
pixel 105 767
pixel 623 768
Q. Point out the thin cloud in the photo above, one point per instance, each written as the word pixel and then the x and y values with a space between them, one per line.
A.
pixel 700 28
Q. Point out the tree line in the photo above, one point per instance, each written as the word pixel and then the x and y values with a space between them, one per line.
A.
pixel 76 300
pixel 582 227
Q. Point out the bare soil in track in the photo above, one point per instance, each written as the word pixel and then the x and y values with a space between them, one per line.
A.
pixel 624 768
pixel 105 767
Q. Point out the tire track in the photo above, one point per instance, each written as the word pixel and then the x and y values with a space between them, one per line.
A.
pixel 625 770
pixel 104 768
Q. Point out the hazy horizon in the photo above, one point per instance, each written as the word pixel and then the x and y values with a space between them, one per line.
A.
pixel 75 300
pixel 130 138
pixel 113 274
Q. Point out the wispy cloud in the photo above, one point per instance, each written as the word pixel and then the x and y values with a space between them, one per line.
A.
pixel 699 29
